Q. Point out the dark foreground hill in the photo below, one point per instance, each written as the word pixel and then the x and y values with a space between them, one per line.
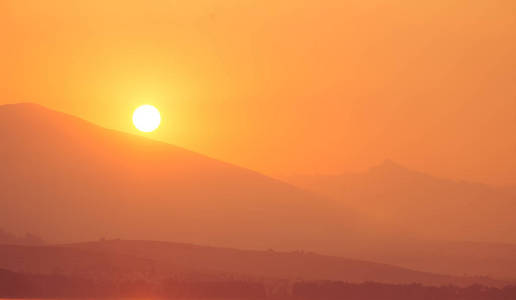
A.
pixel 22 285
pixel 155 261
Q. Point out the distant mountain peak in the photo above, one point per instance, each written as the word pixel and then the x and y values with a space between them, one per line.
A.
pixel 391 163
pixel 389 166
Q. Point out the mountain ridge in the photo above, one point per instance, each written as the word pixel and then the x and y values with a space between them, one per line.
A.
pixel 130 186
pixel 423 221
pixel 160 259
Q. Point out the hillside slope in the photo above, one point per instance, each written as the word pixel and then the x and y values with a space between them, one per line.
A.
pixel 424 222
pixel 68 180
pixel 158 260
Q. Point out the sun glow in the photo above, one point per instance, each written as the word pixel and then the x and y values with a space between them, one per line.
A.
pixel 146 118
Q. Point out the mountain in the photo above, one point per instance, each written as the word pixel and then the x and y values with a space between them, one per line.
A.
pixel 397 200
pixel 425 222
pixel 494 260
pixel 66 179
pixel 157 260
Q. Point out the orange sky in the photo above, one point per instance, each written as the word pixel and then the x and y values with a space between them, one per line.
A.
pixel 280 86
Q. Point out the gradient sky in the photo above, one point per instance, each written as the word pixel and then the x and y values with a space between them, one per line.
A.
pixel 282 87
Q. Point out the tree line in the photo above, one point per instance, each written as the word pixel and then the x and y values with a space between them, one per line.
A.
pixel 330 290
pixel 17 285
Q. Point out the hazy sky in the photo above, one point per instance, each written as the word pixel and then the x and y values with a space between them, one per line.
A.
pixel 280 86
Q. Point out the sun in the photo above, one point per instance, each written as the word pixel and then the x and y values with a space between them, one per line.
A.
pixel 146 118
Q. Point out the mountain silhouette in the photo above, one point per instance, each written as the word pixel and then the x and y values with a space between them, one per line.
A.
pixel 401 201
pixel 123 258
pixel 66 179
pixel 425 222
